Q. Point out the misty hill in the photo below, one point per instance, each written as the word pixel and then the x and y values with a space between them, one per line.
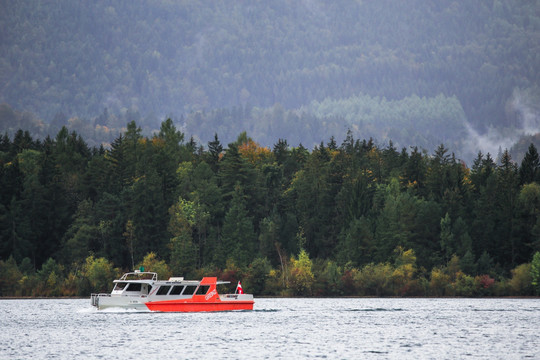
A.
pixel 418 72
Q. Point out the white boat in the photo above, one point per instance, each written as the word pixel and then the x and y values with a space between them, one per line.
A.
pixel 140 290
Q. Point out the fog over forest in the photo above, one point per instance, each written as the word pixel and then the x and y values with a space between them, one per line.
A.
pixel 418 73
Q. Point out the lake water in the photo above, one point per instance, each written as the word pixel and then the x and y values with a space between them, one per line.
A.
pixel 277 328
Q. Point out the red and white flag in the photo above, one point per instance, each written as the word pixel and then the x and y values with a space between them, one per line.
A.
pixel 239 289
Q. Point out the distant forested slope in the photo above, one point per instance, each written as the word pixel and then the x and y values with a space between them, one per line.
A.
pixel 62 59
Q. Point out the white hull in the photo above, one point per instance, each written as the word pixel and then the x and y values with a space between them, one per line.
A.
pixel 104 301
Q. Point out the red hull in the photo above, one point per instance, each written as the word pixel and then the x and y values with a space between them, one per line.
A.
pixel 182 306
pixel 208 302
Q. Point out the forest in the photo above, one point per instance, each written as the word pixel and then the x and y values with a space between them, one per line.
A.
pixel 341 219
pixel 310 148
pixel 237 65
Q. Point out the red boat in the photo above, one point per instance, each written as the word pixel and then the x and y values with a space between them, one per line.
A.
pixel 208 300
pixel 143 291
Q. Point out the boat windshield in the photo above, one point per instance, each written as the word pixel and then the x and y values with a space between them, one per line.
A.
pixel 177 290
pixel 120 286
pixel 203 289
pixel 163 290
pixel 189 290
pixel 134 287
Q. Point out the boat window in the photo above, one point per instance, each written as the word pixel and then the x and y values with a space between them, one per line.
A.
pixel 203 289
pixel 134 287
pixel 190 289
pixel 163 290
pixel 120 286
pixel 177 290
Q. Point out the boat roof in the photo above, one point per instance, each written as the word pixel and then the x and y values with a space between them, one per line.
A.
pixel 148 276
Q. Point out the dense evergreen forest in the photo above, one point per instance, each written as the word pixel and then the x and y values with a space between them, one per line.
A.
pixel 347 218
pixel 301 70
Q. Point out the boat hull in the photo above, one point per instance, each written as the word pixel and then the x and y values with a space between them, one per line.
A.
pixel 174 295
pixel 122 302
pixel 182 306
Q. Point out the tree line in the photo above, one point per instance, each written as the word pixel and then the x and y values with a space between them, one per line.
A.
pixel 341 219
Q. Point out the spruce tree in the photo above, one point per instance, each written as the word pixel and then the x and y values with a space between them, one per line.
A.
pixel 529 169
pixel 239 241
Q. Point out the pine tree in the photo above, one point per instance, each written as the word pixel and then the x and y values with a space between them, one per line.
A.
pixel 356 244
pixel 215 150
pixel 184 252
pixel 508 245
pixel 167 153
pixel 530 165
pixel 110 217
pixel 239 241
pixel 148 211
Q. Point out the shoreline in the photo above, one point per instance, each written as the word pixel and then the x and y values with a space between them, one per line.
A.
pixel 299 297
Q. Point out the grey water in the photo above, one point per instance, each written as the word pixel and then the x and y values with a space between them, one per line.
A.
pixel 333 328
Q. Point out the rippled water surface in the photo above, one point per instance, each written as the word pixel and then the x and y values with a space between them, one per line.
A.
pixel 277 328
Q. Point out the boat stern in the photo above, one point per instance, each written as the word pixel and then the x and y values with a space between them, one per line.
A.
pixel 104 301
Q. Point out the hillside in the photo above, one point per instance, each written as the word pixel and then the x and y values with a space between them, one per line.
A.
pixel 105 63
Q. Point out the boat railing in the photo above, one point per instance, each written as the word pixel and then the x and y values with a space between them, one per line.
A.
pixel 140 275
pixel 94 298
